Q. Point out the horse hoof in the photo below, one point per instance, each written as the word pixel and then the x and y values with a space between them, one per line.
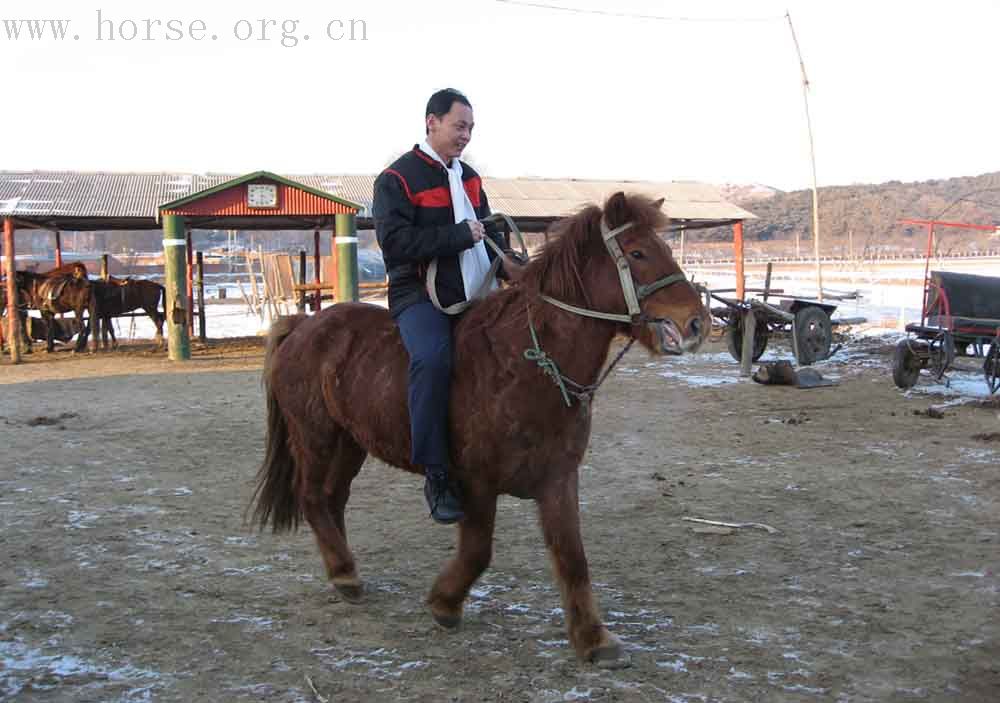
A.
pixel 351 592
pixel 449 623
pixel 610 656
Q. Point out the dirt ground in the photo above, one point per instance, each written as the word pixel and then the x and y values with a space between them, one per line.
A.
pixel 128 573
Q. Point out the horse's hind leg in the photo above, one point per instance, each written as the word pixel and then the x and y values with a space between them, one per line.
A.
pixel 327 486
pixel 475 550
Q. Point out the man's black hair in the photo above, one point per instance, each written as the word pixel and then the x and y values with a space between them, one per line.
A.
pixel 440 103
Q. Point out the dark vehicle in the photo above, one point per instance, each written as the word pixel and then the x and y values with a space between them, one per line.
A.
pixel 961 317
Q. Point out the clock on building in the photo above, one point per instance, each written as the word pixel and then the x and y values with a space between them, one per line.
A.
pixel 262 195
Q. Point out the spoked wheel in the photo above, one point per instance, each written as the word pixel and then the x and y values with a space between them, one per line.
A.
pixel 734 338
pixel 814 333
pixel 991 367
pixel 907 362
pixel 941 354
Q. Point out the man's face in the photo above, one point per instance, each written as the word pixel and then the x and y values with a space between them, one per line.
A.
pixel 449 135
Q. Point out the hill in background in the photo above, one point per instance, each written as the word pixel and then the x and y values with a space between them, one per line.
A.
pixel 867 216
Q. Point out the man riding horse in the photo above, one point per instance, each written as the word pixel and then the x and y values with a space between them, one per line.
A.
pixel 428 205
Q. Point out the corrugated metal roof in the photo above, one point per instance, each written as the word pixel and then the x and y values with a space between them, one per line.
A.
pixel 106 194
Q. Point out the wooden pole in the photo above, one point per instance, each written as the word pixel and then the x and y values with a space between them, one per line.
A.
pixel 58 248
pixel 767 282
pixel 335 267
pixel 317 271
pixel 13 319
pixel 812 159
pixel 738 255
pixel 201 298
pixel 749 332
pixel 189 279
pixel 256 307
pixel 302 280
pixel 269 294
pixel 178 307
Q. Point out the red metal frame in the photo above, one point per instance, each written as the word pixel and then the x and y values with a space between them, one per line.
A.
pixel 930 225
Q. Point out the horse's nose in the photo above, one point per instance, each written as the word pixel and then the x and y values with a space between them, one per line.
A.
pixel 695 327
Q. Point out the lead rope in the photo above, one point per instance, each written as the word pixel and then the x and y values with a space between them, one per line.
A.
pixel 548 365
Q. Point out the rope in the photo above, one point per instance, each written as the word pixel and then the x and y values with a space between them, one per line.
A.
pixel 545 362
pixel 551 369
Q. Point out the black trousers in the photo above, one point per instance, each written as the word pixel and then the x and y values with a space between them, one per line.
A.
pixel 426 333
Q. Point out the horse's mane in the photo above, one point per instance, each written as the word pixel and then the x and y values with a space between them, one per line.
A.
pixel 557 270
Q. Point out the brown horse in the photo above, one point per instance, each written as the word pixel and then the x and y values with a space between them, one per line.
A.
pixel 53 293
pixel 336 387
pixel 74 270
pixel 118 296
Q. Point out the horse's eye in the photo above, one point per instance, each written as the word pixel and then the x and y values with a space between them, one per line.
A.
pixel 637 254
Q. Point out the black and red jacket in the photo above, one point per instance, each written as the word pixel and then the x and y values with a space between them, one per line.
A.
pixel 415 222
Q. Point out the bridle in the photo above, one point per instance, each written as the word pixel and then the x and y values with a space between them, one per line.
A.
pixel 633 296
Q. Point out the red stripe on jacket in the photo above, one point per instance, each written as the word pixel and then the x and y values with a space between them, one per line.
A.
pixel 473 188
pixel 433 197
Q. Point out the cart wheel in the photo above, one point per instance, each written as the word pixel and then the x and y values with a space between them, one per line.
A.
pixel 991 367
pixel 941 354
pixel 815 333
pixel 734 338
pixel 906 364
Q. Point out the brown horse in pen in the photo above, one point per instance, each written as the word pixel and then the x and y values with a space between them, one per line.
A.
pixel 118 296
pixel 336 386
pixel 66 289
pixel 29 325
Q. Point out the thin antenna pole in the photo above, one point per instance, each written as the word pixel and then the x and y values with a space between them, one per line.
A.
pixel 812 159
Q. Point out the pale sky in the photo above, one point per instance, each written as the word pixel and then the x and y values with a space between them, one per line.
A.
pixel 899 90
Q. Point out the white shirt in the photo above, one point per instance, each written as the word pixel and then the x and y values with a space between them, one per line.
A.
pixel 475 262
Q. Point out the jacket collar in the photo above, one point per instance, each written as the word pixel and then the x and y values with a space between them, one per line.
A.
pixel 427 159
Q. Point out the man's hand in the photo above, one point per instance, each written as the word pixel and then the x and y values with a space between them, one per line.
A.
pixel 477 229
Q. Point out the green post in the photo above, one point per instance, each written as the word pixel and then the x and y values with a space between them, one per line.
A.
pixel 347 257
pixel 178 306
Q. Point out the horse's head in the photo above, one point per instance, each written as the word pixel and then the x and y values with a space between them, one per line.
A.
pixel 667 313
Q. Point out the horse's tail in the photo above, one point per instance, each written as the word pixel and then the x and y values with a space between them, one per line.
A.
pixel 274 499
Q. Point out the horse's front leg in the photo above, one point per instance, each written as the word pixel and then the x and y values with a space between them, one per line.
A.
pixel 475 550
pixel 559 512
pixel 50 332
pixel 26 344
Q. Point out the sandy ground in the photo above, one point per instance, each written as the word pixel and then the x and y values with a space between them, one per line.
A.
pixel 129 575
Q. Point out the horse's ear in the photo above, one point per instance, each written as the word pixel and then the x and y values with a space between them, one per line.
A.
pixel 616 210
pixel 658 204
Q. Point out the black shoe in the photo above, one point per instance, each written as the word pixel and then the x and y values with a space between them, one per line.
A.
pixel 444 500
